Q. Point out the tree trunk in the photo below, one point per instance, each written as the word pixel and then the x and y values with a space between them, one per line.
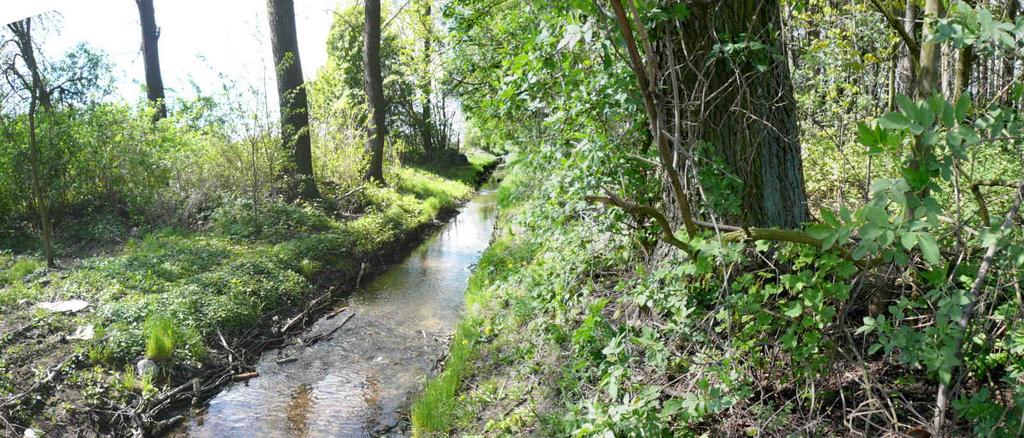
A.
pixel 292 95
pixel 908 71
pixel 427 131
pixel 374 91
pixel 151 58
pixel 39 99
pixel 931 54
pixel 751 120
pixel 1012 7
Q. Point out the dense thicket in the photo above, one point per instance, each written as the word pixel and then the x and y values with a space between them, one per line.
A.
pixel 893 309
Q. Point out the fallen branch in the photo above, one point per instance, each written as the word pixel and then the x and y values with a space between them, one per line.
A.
pixel 942 396
pixel 51 374
pixel 312 340
pixel 245 376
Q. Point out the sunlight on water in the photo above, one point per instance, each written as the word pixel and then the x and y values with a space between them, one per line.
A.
pixel 360 382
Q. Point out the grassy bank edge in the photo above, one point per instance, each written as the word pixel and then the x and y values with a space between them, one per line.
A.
pixel 379 252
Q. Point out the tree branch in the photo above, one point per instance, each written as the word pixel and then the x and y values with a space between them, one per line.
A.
pixel 942 397
pixel 913 48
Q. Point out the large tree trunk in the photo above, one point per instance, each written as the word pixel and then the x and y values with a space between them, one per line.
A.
pixel 151 58
pixel 292 94
pixel 374 91
pixel 743 109
pixel 39 100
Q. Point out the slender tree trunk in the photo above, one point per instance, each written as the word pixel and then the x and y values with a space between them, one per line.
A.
pixel 1012 10
pixel 292 94
pixel 151 58
pixel 427 130
pixel 931 54
pixel 908 71
pixel 374 91
pixel 964 67
pixel 39 100
pixel 751 120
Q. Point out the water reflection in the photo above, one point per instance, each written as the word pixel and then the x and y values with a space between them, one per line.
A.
pixel 359 383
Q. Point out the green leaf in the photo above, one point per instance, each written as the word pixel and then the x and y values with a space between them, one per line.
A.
pixel 908 240
pixel 929 248
pixel 963 104
pixel 894 121
pixel 794 310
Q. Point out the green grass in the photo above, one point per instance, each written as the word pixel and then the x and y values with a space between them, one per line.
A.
pixel 436 410
pixel 18 268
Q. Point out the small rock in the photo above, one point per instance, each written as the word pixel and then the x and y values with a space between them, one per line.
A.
pixel 30 433
pixel 145 366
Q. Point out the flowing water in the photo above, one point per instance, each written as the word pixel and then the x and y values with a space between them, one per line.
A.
pixel 361 381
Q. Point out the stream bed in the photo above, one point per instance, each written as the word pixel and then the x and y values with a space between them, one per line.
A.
pixel 361 381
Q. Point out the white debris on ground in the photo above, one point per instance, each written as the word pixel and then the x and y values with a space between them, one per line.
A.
pixel 70 306
pixel 84 333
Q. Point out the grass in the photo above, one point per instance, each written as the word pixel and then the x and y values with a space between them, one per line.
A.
pixel 18 268
pixel 436 410
pixel 168 294
pixel 160 333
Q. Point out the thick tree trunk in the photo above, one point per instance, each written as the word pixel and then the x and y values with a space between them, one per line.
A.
pixel 747 112
pixel 374 91
pixel 151 58
pixel 292 94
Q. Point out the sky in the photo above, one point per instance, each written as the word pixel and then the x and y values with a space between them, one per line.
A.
pixel 200 40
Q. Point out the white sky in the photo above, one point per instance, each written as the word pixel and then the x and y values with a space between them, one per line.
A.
pixel 199 39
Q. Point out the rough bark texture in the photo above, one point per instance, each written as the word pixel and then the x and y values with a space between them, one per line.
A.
pixel 292 94
pixel 151 57
pixel 374 91
pixel 741 105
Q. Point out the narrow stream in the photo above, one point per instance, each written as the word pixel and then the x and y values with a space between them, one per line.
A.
pixel 361 381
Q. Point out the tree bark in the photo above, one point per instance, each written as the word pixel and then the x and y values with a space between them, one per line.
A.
pixel 291 92
pixel 931 54
pixel 908 64
pixel 151 58
pixel 374 84
pixel 747 111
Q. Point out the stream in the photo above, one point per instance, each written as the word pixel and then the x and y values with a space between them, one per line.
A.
pixel 361 381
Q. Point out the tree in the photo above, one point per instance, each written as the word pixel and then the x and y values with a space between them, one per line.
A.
pixel 427 124
pixel 151 58
pixel 746 116
pixel 374 84
pixel 39 101
pixel 291 92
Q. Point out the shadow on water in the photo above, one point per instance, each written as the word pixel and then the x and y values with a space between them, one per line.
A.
pixel 360 382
